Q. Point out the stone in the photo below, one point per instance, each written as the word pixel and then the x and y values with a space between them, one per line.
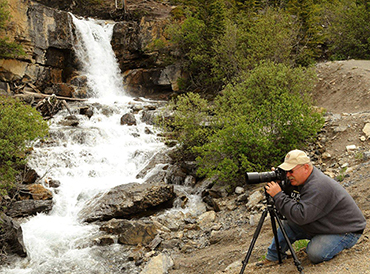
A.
pixel 63 89
pixel 351 148
pixel 28 207
pixel 30 176
pixel 11 236
pixel 254 199
pixel 104 241
pixel 170 76
pixel 70 121
pixel 239 190
pixel 131 232
pixel 12 70
pixel 326 156
pixel 52 183
pixel 128 200
pixel 340 129
pixel 366 130
pixel 159 264
pixel 128 119
pixel 206 219
pixel 39 192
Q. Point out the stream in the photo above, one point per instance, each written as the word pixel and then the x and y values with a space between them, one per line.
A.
pixel 93 157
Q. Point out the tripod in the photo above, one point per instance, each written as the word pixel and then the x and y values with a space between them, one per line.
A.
pixel 270 208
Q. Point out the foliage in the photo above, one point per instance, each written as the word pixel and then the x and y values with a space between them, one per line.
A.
pixel 189 121
pixel 218 40
pixel 7 49
pixel 349 30
pixel 193 39
pixel 300 244
pixel 245 42
pixel 252 124
pixel 311 35
pixel 19 124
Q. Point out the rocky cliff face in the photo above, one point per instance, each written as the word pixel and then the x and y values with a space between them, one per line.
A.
pixel 45 31
pixel 45 36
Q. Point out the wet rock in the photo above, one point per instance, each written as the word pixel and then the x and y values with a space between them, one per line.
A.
pixel 211 203
pixel 104 240
pixel 30 176
pixel 28 207
pixel 11 236
pixel 176 175
pixel 128 119
pixel 157 159
pixel 52 183
pixel 128 200
pixel 70 121
pixel 86 111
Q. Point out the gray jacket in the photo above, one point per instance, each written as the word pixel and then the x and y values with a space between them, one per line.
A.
pixel 324 207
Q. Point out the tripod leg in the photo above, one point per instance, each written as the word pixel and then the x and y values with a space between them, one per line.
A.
pixel 274 230
pixel 255 236
pixel 296 261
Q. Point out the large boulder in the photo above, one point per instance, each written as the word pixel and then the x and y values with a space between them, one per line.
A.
pixel 127 201
pixel 11 236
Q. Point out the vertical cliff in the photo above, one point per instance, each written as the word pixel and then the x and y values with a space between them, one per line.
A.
pixel 45 31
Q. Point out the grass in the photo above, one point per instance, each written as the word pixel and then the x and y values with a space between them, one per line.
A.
pixel 297 245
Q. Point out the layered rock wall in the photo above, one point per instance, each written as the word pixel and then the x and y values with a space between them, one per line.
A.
pixel 46 37
pixel 50 66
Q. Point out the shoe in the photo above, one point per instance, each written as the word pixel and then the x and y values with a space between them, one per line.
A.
pixel 266 262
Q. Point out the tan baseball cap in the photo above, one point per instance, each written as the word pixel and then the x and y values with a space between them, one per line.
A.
pixel 294 158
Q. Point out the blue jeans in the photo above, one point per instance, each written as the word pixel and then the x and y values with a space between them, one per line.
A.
pixel 320 248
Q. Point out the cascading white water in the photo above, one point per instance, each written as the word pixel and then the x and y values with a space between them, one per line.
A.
pixel 88 159
pixel 94 51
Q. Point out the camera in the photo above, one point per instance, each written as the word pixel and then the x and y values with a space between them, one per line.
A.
pixel 262 177
pixel 278 175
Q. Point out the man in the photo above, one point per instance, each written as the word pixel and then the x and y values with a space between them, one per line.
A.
pixel 322 212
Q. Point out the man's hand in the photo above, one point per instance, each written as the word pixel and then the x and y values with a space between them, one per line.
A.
pixel 272 189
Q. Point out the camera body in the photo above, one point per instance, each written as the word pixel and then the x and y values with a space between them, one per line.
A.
pixel 278 175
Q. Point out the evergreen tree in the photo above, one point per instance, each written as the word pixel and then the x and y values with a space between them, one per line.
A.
pixel 311 38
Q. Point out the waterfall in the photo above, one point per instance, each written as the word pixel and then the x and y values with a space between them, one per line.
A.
pixel 95 156
pixel 94 51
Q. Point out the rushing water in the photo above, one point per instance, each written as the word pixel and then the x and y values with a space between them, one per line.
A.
pixel 93 157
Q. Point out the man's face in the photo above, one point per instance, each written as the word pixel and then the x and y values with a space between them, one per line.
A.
pixel 299 174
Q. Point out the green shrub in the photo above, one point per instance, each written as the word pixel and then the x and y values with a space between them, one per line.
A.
pixel 189 122
pixel 19 125
pixel 260 119
pixel 253 123
pixel 192 40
